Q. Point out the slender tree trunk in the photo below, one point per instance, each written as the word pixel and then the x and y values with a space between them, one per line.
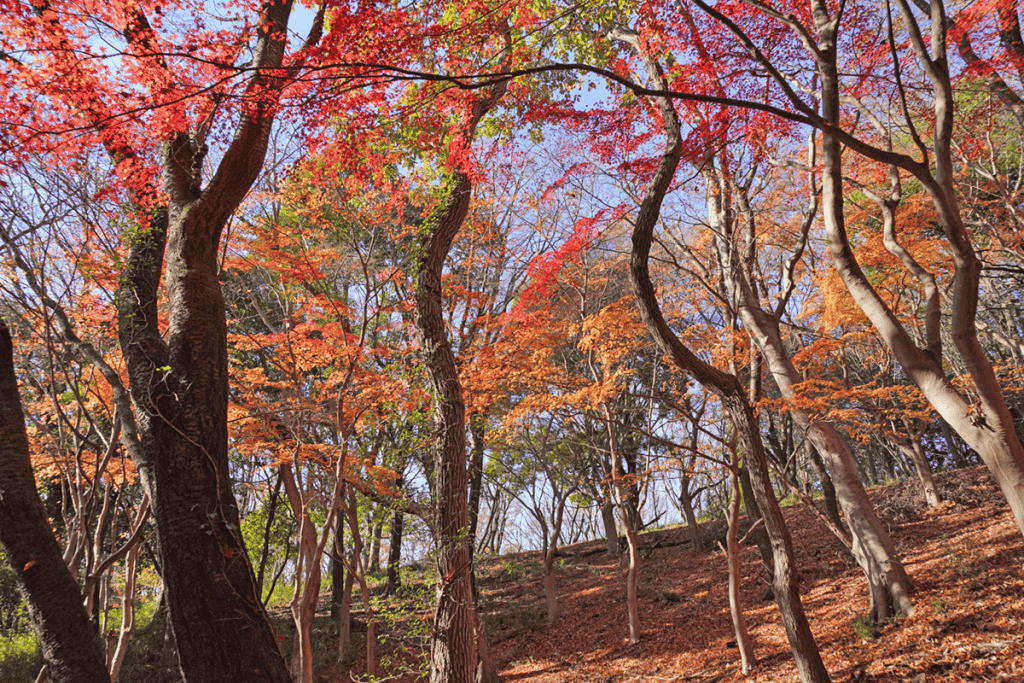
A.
pixel 874 550
pixel 265 550
pixel 477 424
pixel 739 623
pixel 805 651
pixel 611 533
pixel 984 423
pixel 828 489
pixel 395 549
pixel 913 449
pixel 376 533
pixel 52 597
pixel 549 562
pixel 338 571
pixel 691 517
pixel 761 540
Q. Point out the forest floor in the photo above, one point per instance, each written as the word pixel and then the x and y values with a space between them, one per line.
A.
pixel 966 558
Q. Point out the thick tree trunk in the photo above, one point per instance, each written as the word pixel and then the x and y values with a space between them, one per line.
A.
pixel 180 393
pixel 179 386
pixel 453 652
pixel 53 599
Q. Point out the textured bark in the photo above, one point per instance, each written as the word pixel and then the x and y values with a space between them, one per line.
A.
pixel 53 599
pixel 453 650
pixel 179 386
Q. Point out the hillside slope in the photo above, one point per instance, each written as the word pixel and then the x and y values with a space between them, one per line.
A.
pixel 966 558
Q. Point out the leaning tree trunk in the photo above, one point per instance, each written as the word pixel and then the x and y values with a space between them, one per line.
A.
pixel 887 580
pixel 727 387
pixel 985 423
pixel 53 599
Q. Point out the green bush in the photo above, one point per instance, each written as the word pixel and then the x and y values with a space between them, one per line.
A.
pixel 20 658
pixel 13 618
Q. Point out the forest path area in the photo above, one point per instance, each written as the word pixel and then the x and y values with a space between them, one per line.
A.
pixel 966 558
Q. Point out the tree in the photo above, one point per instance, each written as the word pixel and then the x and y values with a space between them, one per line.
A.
pixel 984 421
pixel 176 425
pixel 728 389
pixel 456 646
pixel 70 648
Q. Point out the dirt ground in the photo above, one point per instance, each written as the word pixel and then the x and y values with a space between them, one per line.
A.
pixel 965 557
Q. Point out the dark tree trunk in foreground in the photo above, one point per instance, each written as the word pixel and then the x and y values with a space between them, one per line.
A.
pixel 71 649
pixel 179 384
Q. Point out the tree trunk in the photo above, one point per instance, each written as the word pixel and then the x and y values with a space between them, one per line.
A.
pixel 739 623
pixel 828 489
pixel 913 449
pixel 691 517
pixel 265 550
pixel 52 597
pixel 338 571
pixel 805 651
pixel 985 423
pixel 453 648
pixel 476 472
pixel 179 386
pixel 611 533
pixel 376 532
pixel 761 540
pixel 888 581
pixel 395 550
pixel 549 561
